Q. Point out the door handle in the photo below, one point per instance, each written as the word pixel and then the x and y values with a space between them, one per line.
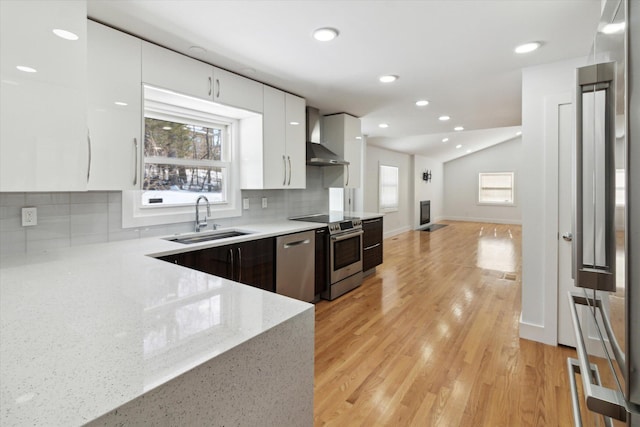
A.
pixel 239 265
pixel 135 161
pixel 284 165
pixel 289 161
pixel 89 155
pixel 567 236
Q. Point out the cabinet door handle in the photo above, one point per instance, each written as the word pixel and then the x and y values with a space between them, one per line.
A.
pixel 89 155
pixel 298 243
pixel 135 161
pixel 371 221
pixel 210 86
pixel 289 161
pixel 239 265
pixel 217 88
pixel 371 247
pixel 231 258
pixel 348 176
pixel 284 165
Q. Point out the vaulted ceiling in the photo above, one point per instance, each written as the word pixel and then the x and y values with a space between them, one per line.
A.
pixel 457 54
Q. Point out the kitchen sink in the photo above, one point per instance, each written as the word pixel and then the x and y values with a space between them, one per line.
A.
pixel 205 237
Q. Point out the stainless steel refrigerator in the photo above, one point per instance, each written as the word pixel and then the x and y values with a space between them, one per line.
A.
pixel 605 375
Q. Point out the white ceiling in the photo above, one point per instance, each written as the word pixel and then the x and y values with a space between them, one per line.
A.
pixel 458 54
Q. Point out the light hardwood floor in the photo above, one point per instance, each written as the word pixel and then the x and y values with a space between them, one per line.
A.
pixel 432 339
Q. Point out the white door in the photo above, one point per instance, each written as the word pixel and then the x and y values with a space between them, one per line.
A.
pixel 566 121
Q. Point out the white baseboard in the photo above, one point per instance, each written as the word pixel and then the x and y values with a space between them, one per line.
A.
pixel 395 232
pixel 488 220
pixel 532 332
pixel 423 226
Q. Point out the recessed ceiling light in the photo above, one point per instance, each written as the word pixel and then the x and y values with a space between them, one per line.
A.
pixel 459 146
pixel 468 151
pixel 613 28
pixel 422 103
pixel 444 118
pixel 527 47
pixel 519 133
pixel 325 34
pixel 445 139
pixel 458 128
pixel 383 125
pixel 358 137
pixel 26 69
pixel 64 34
pixel 166 128
pixel 294 123
pixel 389 78
pixel 120 103
pixel 197 49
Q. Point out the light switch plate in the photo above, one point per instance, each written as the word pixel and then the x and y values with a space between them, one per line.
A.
pixel 29 217
pixel 264 203
pixel 245 204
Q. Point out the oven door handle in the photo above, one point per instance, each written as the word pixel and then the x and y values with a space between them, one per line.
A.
pixel 348 235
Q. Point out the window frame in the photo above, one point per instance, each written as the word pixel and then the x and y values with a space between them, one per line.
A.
pixel 134 214
pixel 511 202
pixel 225 163
pixel 384 207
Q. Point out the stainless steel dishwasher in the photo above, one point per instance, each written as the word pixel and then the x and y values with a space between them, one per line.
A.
pixel 295 265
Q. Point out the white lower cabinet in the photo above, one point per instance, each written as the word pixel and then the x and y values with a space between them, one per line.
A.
pixel 115 108
pixel 277 160
pixel 43 111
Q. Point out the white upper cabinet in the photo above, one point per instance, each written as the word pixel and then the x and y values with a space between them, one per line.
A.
pixel 43 119
pixel 278 159
pixel 295 141
pixel 170 70
pixel 237 91
pixel 274 167
pixel 115 108
pixel 341 133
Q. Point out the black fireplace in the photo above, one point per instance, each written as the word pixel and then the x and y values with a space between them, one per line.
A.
pixel 425 212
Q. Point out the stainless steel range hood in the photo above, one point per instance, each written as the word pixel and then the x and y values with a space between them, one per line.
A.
pixel 318 154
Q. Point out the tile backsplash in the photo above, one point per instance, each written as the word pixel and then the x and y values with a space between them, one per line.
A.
pixel 71 219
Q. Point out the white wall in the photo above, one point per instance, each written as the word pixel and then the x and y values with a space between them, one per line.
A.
pixel 433 190
pixel 461 184
pixel 539 319
pixel 394 222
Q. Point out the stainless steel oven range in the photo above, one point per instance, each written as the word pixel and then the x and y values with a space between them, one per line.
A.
pixel 344 252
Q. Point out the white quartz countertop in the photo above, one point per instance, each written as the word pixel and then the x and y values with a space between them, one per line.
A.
pixel 86 329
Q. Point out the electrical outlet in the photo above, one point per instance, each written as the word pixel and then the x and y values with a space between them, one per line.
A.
pixel 29 217
pixel 245 204
pixel 264 203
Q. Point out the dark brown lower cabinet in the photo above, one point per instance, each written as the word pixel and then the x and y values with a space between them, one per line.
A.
pixel 251 263
pixel 371 243
pixel 322 260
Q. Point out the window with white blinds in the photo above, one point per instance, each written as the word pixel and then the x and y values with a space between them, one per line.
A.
pixel 388 188
pixel 496 188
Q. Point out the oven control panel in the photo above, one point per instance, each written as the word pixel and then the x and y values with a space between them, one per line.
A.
pixel 342 226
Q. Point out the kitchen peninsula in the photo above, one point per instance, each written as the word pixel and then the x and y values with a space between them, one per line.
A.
pixel 106 334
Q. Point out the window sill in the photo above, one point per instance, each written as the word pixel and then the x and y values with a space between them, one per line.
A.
pixel 508 205
pixel 136 215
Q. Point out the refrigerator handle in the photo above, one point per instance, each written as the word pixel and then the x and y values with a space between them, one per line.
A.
pixel 594 179
pixel 608 402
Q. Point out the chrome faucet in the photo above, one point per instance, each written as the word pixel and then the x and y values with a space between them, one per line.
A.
pixel 202 224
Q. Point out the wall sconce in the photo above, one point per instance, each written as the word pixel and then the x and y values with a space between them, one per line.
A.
pixel 426 176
